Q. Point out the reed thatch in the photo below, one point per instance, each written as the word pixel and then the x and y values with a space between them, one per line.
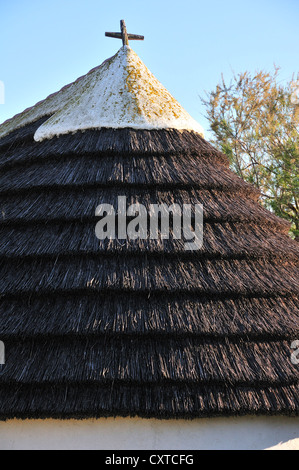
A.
pixel 123 328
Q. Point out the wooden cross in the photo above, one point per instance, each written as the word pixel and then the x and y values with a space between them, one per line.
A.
pixel 124 35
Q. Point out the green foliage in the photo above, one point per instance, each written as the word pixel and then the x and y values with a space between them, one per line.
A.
pixel 255 122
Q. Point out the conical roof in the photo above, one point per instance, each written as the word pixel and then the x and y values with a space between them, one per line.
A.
pixel 120 93
pixel 136 327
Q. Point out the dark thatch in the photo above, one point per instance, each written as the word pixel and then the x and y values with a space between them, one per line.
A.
pixel 123 328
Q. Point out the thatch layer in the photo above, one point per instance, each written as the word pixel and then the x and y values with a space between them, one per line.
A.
pixel 121 327
pixel 81 401
pixel 108 141
pixel 141 314
pixel 162 171
pixel 78 204
pixel 20 137
pixel 222 240
pixel 147 274
pixel 148 360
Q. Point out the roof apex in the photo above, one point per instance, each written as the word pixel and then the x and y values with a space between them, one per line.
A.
pixel 122 92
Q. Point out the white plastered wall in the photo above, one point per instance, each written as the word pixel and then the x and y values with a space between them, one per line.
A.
pixel 135 433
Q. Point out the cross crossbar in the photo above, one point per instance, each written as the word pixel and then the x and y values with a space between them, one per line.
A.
pixel 124 35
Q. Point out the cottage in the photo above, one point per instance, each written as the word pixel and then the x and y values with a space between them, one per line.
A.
pixel 138 343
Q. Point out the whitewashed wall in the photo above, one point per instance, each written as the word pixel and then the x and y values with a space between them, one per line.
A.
pixel 110 434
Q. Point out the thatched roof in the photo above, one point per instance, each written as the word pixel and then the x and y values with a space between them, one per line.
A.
pixel 103 328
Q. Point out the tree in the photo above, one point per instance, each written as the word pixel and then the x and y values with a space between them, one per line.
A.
pixel 255 122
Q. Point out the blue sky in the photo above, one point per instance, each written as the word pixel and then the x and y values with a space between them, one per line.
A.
pixel 188 44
